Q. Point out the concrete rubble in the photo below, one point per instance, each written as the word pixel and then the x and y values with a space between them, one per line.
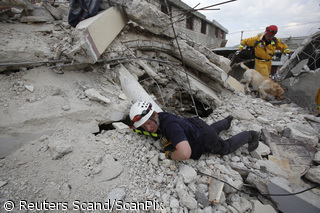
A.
pixel 301 73
pixel 65 133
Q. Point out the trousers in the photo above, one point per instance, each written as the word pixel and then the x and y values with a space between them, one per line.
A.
pixel 213 143
pixel 263 67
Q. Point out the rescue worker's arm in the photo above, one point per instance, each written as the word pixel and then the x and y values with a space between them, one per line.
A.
pixel 182 152
pixel 282 47
pixel 247 42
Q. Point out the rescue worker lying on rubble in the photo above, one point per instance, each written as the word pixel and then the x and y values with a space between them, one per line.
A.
pixel 185 138
pixel 265 46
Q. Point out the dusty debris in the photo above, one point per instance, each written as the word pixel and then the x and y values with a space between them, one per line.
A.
pixel 67 140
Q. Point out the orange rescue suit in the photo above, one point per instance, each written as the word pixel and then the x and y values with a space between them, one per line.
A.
pixel 263 52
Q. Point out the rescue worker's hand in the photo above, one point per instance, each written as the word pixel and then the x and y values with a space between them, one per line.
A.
pixel 237 52
pixel 288 55
pixel 168 153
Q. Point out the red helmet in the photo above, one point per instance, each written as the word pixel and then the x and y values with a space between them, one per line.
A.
pixel 272 30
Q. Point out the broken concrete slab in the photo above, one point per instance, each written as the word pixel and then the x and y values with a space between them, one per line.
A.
pixel 120 126
pixel 297 70
pixel 197 60
pixel 56 13
pixel 302 89
pixel 220 61
pixel 188 173
pixel 304 132
pixel 148 16
pixel 314 122
pixel 25 4
pixel 271 168
pixel 133 90
pixel 304 202
pixel 38 15
pixel 96 33
pixel 300 154
pixel 262 150
pixel 235 84
pixel 314 174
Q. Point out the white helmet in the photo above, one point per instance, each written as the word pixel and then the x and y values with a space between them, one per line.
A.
pixel 140 112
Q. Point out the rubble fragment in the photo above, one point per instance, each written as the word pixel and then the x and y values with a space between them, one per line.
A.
pixel 215 191
pixel 93 94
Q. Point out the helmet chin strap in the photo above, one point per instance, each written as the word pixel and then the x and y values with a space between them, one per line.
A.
pixel 155 121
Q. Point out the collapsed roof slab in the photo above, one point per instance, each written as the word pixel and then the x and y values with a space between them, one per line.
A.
pixel 96 33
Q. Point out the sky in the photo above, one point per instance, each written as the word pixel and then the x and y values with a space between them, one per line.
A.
pixel 293 17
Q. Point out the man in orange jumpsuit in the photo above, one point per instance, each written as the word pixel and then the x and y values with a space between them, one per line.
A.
pixel 265 46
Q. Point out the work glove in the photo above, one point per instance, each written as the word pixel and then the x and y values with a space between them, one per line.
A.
pixel 168 154
pixel 237 52
pixel 167 147
pixel 288 55
pixel 166 144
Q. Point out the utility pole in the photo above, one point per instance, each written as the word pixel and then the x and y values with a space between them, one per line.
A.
pixel 241 36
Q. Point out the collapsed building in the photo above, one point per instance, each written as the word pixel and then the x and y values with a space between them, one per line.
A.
pixel 78 81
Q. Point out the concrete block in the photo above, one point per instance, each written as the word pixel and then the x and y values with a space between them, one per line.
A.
pixel 101 30
pixel 260 151
pixel 120 126
pixel 215 191
pixel 235 84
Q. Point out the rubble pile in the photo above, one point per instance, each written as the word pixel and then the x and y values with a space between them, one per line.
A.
pixel 66 108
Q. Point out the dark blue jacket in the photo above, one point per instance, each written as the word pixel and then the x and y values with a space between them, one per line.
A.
pixel 177 129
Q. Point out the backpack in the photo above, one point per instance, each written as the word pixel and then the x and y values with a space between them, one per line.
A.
pixel 82 9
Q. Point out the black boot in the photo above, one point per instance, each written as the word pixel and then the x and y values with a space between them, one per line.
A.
pixel 229 118
pixel 254 142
